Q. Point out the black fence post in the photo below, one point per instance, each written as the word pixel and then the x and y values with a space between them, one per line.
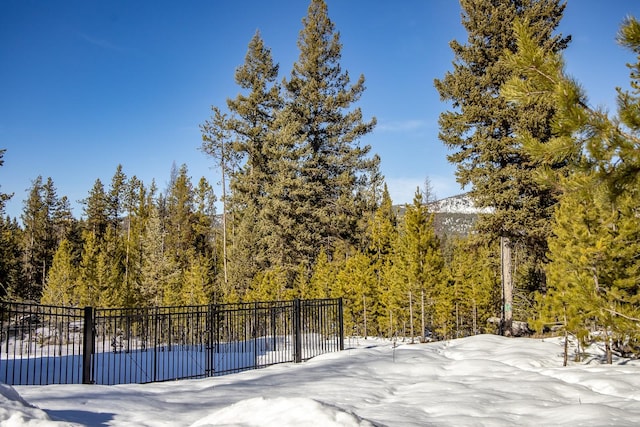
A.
pixel 273 329
pixel 87 348
pixel 341 323
pixel 156 322
pixel 254 331
pixel 297 333
pixel 209 366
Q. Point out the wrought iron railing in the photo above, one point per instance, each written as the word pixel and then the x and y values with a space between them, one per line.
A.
pixel 58 345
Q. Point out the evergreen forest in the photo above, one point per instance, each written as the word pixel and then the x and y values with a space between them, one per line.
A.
pixel 304 211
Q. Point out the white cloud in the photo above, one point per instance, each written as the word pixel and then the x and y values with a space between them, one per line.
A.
pixel 104 44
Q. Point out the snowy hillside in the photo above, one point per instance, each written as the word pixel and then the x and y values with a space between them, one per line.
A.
pixel 455 215
pixel 482 381
pixel 460 204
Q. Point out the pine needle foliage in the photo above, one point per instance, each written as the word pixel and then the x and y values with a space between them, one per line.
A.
pixel 483 129
pixel 593 274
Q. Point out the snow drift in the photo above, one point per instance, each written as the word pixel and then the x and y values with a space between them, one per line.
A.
pixel 482 381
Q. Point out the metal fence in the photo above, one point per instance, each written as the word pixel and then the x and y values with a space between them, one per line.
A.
pixel 59 345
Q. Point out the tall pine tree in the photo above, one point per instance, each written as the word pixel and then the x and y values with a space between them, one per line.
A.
pixel 246 134
pixel 10 275
pixel 4 197
pixel 593 274
pixel 95 210
pixel 336 171
pixel 40 240
pixel 60 287
pixel 482 127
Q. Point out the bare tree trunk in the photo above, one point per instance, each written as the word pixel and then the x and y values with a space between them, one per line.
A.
pixel 224 220
pixel 566 338
pixel 607 346
pixel 475 317
pixel 507 287
pixel 364 309
pixel 126 259
pixel 411 316
pixel 424 335
pixel 457 321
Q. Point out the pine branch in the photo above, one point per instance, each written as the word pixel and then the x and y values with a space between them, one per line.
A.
pixel 617 313
pixel 543 74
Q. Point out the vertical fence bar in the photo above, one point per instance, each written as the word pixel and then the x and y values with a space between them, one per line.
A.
pixel 87 347
pixel 254 332
pixel 156 324
pixel 297 333
pixel 341 325
pixel 274 332
pixel 213 329
pixel 5 320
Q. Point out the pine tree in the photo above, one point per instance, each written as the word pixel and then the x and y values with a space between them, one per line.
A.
pixel 474 272
pixel 3 196
pixel 136 214
pixel 419 261
pixel 160 271
pixel 302 284
pixel 10 257
pixel 33 223
pixel 116 198
pixel 252 121
pixel 60 287
pixel 323 277
pixel 51 204
pixel 383 228
pixel 268 286
pixel 593 274
pixel 205 219
pixel 482 128
pixel 196 282
pixel 336 172
pixel 65 226
pixel 9 247
pixel 40 241
pixel 98 275
pixel 394 295
pixel 244 253
pixel 383 237
pixel 111 285
pixel 249 130
pixel 299 179
pixel 356 283
pixel 217 143
pixel 285 209
pixel 180 220
pixel 95 210
pixel 577 252
pixel 88 289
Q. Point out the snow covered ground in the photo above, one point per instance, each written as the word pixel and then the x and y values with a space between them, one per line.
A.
pixel 477 381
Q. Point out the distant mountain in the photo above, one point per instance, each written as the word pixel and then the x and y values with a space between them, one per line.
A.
pixel 454 215
pixel 460 204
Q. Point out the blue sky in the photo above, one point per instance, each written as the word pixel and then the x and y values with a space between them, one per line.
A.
pixel 88 85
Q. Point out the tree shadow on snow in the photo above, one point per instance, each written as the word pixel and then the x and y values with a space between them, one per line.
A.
pixel 82 417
